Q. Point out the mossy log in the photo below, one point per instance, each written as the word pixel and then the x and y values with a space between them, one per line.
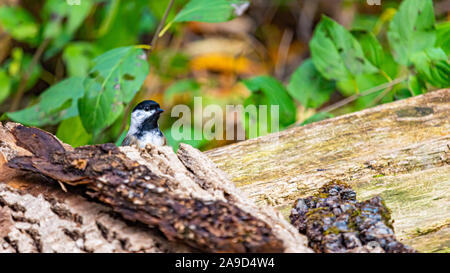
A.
pixel 399 151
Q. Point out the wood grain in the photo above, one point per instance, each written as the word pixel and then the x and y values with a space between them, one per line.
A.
pixel 398 150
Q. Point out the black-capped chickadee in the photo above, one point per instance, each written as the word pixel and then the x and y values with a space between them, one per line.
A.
pixel 144 127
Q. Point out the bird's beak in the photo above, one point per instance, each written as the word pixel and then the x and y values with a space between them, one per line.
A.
pixel 160 110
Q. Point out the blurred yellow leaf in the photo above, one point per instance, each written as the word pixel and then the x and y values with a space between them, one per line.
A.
pixel 235 47
pixel 223 63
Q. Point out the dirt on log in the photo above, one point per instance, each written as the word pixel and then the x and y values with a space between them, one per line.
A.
pixel 400 151
pixel 150 200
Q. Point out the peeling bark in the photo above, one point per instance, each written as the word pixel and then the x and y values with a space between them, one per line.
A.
pixel 150 186
pixel 59 222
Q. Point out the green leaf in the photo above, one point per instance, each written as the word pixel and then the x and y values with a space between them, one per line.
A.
pixel 364 83
pixel 78 58
pixel 433 66
pixel 402 93
pixel 443 36
pixel 148 22
pixel 375 54
pixel 211 11
pixel 390 66
pixel 317 117
pixel 57 103
pixel 371 47
pixel 269 91
pixel 336 53
pixel 189 86
pixel 19 23
pixel 169 63
pixel 115 79
pixel 5 85
pixel 114 131
pixel 158 8
pixel 62 20
pixel 309 87
pixel 412 29
pixel 416 85
pixel 364 22
pixel 120 25
pixel 70 17
pixel 71 131
pixel 120 139
pixel 192 131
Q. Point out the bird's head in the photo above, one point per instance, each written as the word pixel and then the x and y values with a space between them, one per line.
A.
pixel 145 115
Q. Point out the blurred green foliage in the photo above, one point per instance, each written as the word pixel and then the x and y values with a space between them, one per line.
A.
pixel 309 87
pixel 57 103
pixel 19 23
pixel 357 61
pixel 98 44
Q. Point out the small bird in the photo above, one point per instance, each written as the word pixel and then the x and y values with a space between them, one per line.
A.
pixel 144 127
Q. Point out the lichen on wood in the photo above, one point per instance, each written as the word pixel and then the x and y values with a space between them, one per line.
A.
pixel 334 221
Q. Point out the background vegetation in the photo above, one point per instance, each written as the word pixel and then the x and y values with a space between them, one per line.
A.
pixel 77 70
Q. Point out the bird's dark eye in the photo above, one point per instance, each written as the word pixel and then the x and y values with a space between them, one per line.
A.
pixel 147 109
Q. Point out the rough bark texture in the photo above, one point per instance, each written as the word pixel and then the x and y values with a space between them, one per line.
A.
pixel 186 207
pixel 399 151
pixel 335 222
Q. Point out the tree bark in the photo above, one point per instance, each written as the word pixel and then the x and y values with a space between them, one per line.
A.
pixel 151 200
pixel 398 150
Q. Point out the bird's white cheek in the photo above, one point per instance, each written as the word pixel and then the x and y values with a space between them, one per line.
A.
pixel 140 115
pixel 137 117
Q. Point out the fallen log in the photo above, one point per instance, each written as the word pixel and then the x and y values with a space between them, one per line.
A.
pixel 399 151
pixel 191 205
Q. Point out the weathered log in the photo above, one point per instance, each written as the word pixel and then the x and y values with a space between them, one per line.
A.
pixel 37 216
pixel 398 150
pixel 150 186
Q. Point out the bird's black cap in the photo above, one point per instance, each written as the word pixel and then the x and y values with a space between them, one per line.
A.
pixel 148 105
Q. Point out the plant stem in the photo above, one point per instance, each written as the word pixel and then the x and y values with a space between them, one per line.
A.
pixel 282 54
pixel 381 96
pixel 348 100
pixel 355 85
pixel 386 76
pixel 152 46
pixel 365 93
pixel 161 24
pixel 106 24
pixel 23 82
pixel 385 92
